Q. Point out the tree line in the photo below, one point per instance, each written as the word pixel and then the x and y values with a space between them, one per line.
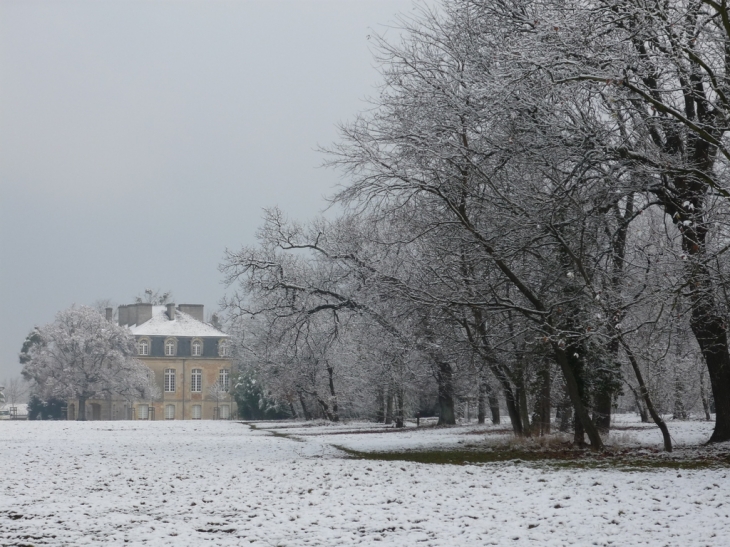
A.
pixel 533 207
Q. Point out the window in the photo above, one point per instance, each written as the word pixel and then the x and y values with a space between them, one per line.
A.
pixel 223 379
pixel 169 380
pixel 170 412
pixel 225 412
pixel 196 381
pixel 197 348
pixel 170 347
pixel 143 347
pixel 224 349
pixel 142 412
pixel 197 412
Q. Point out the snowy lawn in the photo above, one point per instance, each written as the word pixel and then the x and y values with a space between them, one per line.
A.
pixel 224 483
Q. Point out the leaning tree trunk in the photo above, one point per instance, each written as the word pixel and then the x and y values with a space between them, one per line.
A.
pixel 647 399
pixel 445 379
pixel 640 406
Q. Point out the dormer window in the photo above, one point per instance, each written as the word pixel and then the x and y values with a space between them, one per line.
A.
pixel 170 347
pixel 224 348
pixel 143 346
pixel 196 348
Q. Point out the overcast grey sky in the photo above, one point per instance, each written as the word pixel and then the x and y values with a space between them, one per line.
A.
pixel 139 139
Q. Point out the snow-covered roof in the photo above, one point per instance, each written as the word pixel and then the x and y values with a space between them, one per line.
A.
pixel 22 408
pixel 182 325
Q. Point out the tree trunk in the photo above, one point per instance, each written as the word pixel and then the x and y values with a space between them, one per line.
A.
pixel 649 405
pixel 521 395
pixel 566 416
pixel 494 406
pixel 703 396
pixel 524 413
pixel 82 409
pixel 389 407
pixel 575 398
pixel 602 410
pixel 579 434
pixel 544 401
pixel 335 412
pixel 445 378
pixel 499 372
pixel 679 412
pixel 608 384
pixel 380 406
pixel 482 403
pixel 305 411
pixel 324 407
pixel 709 329
pixel 400 407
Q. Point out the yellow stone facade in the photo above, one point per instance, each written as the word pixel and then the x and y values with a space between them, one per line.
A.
pixel 190 362
pixel 183 398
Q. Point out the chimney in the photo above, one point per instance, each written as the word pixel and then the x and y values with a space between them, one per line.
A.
pixel 109 314
pixel 131 314
pixel 123 317
pixel 171 312
pixel 144 313
pixel 193 310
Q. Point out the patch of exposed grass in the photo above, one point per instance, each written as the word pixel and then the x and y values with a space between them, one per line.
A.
pixel 579 459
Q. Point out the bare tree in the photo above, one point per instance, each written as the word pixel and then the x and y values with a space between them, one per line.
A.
pixel 16 390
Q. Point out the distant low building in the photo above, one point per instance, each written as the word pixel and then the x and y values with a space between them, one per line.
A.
pixel 18 411
pixel 189 358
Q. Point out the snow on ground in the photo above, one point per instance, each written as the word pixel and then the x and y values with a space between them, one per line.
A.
pixel 627 429
pixel 224 483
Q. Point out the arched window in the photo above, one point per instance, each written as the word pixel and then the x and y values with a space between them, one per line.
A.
pixel 169 412
pixel 224 348
pixel 143 346
pixel 169 380
pixel 196 348
pixel 196 380
pixel 224 379
pixel 170 347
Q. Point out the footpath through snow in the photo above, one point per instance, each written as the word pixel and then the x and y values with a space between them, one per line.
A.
pixel 224 483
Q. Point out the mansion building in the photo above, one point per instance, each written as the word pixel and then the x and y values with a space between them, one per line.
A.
pixel 189 358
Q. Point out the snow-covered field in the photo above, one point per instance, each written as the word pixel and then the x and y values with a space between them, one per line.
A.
pixel 224 483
